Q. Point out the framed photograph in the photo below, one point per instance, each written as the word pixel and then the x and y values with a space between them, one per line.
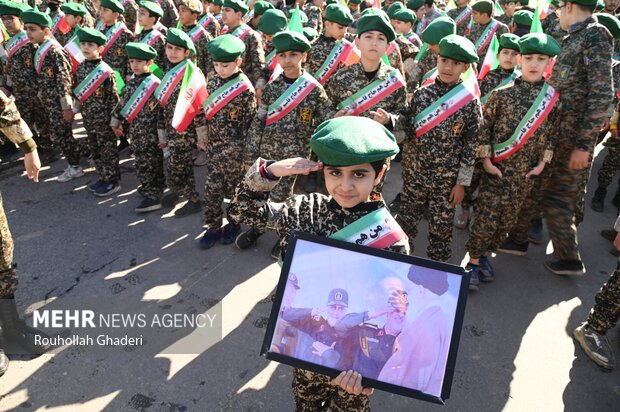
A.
pixel 394 318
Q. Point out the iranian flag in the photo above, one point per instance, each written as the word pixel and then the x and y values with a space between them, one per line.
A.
pixel 470 82
pixel 498 11
pixel 192 95
pixel 542 8
pixel 491 62
pixel 73 49
pixel 451 5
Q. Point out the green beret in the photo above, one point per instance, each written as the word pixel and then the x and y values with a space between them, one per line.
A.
pixel 140 51
pixel 397 5
pixel 600 5
pixel 415 4
pixel 405 15
pixel 236 5
pixel 328 2
pixel 438 29
pixel 13 9
pixel 523 18
pixel 75 9
pixel 86 34
pixel 352 140
pixel 303 17
pixel 113 5
pixel 556 3
pixel 355 1
pixel 180 38
pixel 339 14
pixel 36 17
pixel 272 22
pixel 458 48
pixel 611 22
pixel 195 6
pixel 152 8
pixel 539 43
pixel 483 6
pixel 226 48
pixel 512 1
pixel 310 33
pixel 261 7
pixel 373 21
pixel 524 2
pixel 218 2
pixel 290 41
pixel 509 41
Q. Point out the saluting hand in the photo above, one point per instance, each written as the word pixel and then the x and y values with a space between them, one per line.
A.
pixel 293 166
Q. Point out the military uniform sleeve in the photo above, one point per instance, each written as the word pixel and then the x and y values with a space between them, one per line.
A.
pixel 9 117
pixel 350 321
pixel 551 132
pixel 485 130
pixel 470 144
pixel 64 77
pixel 255 134
pixel 597 55
pixel 256 56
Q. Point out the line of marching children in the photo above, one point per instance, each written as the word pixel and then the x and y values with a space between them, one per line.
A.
pixel 407 74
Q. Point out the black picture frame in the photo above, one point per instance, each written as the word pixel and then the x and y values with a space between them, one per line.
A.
pixel 304 239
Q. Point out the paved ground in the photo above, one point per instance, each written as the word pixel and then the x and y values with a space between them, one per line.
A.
pixel 516 351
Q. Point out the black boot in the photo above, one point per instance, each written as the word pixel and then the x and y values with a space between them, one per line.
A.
pixel 4 362
pixel 16 330
pixel 598 200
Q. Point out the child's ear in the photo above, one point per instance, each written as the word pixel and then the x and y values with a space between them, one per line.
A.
pixel 518 60
pixel 304 57
pixel 187 52
pixel 380 175
pixel 357 42
pixel 47 31
pixel 100 49
pixel 238 62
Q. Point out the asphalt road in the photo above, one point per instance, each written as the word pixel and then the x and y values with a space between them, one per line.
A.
pixel 516 350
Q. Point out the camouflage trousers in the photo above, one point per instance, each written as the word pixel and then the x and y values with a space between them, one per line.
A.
pixel 313 393
pixel 30 110
pixel 8 279
pixel 104 150
pixel 497 209
pixel 420 195
pixel 149 165
pixel 611 163
pixel 531 208
pixel 584 178
pixel 224 172
pixel 559 192
pixel 180 169
pixel 468 200
pixel 61 132
pixel 606 311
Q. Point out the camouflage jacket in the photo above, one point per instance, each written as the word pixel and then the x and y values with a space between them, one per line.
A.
pixel 145 123
pixel 130 14
pixel 213 28
pixel 582 76
pixel 449 149
pixel 502 113
pixel 19 72
pixel 159 46
pixel 407 49
pixel 502 19
pixel 462 28
pixel 289 136
pixel 103 100
pixel 253 57
pixel 348 80
pixel 317 55
pixel 478 29
pixel 426 64
pixel 203 58
pixel 228 128
pixel 116 55
pixel 493 79
pixel 552 27
pixel 314 213
pixel 171 14
pixel 11 128
pixel 55 81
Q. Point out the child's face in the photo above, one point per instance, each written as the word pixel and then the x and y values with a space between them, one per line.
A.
pixel 90 50
pixel 351 185
pixel 12 23
pixel 335 30
pixel 230 17
pixel 461 3
pixel 353 7
pixel 372 44
pixel 176 54
pixel 139 67
pixel 144 19
pixel 402 27
pixel 186 16
pixel 291 62
pixel 268 37
pixel 480 18
pixel 533 66
pixel 226 69
pixel 508 59
pixel 214 9
pixel 37 34
pixel 107 16
pixel 449 71
pixel 71 20
pixel 509 9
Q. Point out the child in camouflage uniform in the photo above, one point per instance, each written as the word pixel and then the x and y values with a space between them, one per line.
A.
pixel 516 142
pixel 135 116
pixel 350 176
pixel 485 26
pixel 54 81
pixel 117 36
pixel 438 158
pixel 189 10
pixel 208 21
pixel 502 76
pixel 150 13
pixel 271 22
pixel 230 108
pixel 290 108
pixel 96 98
